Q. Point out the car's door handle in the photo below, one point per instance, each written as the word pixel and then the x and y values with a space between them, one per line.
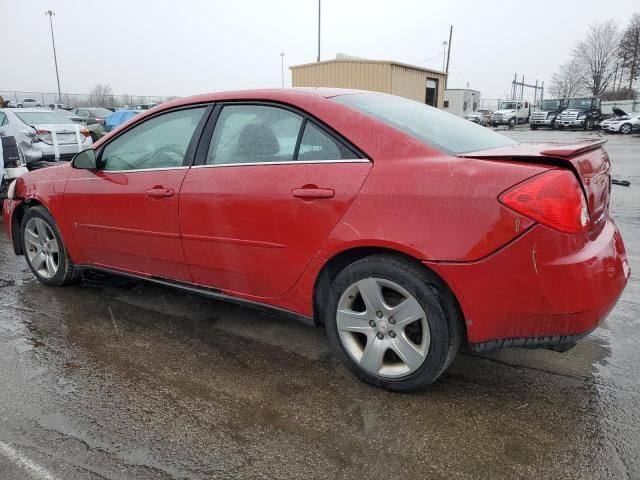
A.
pixel 159 192
pixel 312 193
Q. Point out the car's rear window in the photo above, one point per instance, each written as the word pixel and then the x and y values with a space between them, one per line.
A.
pixel 34 118
pixel 434 127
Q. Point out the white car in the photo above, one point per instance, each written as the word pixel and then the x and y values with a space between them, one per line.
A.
pixel 29 103
pixel 43 134
pixel 11 164
pixel 622 122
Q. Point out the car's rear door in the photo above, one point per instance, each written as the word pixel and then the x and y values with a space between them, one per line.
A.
pixel 269 187
pixel 125 215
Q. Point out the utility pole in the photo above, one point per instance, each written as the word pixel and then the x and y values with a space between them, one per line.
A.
pixel 448 57
pixel 444 54
pixel 282 59
pixel 319 9
pixel 51 13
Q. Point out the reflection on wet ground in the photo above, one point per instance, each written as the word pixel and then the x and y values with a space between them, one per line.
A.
pixel 119 379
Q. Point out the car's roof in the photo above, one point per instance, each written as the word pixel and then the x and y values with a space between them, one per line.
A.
pixel 282 94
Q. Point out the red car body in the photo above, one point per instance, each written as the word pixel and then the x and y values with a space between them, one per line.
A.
pixel 266 233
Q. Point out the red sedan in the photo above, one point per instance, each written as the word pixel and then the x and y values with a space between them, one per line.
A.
pixel 403 230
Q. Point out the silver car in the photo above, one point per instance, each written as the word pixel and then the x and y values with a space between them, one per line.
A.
pixel 622 124
pixel 477 117
pixel 43 134
pixel 29 102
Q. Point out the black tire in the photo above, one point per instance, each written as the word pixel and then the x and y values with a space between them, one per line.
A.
pixel 512 122
pixel 533 127
pixel 626 129
pixel 67 273
pixel 442 312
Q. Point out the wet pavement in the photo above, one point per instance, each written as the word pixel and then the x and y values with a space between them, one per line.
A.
pixel 120 379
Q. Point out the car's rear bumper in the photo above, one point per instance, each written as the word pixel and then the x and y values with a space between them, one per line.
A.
pixel 543 289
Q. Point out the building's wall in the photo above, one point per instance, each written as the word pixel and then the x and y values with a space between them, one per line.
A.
pixel 364 76
pixel 377 77
pixel 410 83
pixel 457 99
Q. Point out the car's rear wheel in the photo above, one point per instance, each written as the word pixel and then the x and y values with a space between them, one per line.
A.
pixel 392 323
pixel 44 249
pixel 626 128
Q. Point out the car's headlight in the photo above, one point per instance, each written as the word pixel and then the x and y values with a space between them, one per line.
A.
pixel 581 115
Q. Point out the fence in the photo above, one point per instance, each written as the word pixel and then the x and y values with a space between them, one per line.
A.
pixel 85 100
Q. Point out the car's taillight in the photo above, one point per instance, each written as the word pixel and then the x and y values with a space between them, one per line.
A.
pixel 43 136
pixel 99 120
pixel 553 198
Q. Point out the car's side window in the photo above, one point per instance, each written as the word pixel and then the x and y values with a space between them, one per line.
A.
pixel 83 113
pixel 254 134
pixel 317 145
pixel 160 142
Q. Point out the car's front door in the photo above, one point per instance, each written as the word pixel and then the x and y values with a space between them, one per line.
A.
pixel 270 187
pixel 125 214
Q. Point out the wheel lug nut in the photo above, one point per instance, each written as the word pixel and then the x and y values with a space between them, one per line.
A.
pixel 380 335
pixel 392 334
pixel 392 320
pixel 379 314
pixel 372 323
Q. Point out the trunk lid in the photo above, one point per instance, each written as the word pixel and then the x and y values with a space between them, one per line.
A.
pixel 65 134
pixel 588 160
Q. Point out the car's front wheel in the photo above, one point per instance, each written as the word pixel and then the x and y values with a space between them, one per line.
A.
pixel 44 249
pixel 392 323
pixel 626 128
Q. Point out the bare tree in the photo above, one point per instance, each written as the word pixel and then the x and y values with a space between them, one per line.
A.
pixel 629 51
pixel 101 96
pixel 597 55
pixel 568 80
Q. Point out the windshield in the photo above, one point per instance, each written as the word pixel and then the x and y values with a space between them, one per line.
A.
pixel 508 105
pixel 99 112
pixel 34 118
pixel 549 104
pixel 582 103
pixel 428 124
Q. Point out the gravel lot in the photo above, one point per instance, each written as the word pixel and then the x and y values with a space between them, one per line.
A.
pixel 120 379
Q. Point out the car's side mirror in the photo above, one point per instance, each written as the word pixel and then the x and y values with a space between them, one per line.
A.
pixel 85 160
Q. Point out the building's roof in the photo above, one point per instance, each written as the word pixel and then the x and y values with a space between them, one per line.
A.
pixel 364 60
pixel 461 90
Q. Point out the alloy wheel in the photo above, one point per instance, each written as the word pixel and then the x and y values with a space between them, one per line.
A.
pixel 383 327
pixel 42 249
pixel 626 128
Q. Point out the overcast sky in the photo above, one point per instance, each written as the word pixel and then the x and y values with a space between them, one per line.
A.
pixel 185 47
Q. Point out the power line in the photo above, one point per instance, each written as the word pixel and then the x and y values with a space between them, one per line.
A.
pixel 430 58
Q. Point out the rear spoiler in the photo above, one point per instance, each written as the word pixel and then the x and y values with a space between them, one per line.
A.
pixel 566 151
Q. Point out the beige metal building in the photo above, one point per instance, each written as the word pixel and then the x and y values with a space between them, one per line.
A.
pixel 417 83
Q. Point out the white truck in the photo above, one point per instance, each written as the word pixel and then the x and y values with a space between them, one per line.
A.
pixel 511 113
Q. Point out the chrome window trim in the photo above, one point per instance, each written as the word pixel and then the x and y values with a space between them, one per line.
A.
pixel 291 162
pixel 183 167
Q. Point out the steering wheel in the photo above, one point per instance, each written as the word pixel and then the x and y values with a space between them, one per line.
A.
pixel 167 155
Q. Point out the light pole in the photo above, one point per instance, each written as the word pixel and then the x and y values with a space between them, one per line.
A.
pixel 318 30
pixel 444 53
pixel 282 59
pixel 51 13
